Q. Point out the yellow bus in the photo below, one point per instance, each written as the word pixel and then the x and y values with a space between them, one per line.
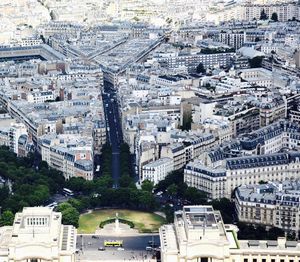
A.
pixel 113 243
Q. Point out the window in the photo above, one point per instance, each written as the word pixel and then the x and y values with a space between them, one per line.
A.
pixel 245 259
pixel 254 260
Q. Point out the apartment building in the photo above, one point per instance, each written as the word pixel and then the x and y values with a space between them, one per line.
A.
pixel 184 152
pixel 70 154
pixel 257 76
pixel 40 97
pixel 38 234
pixel 249 11
pixel 253 158
pixel 273 204
pixel 198 234
pixel 191 61
pixel 285 11
pixel 157 170
pixel 233 39
pixel 16 130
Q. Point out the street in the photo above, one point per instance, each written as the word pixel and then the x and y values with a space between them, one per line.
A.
pixel 114 130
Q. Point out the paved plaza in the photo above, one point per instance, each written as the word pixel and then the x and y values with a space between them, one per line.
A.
pixel 134 248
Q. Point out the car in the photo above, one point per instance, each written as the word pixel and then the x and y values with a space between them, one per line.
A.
pixel 120 249
pixel 148 248
pixel 89 243
pixel 54 204
pixel 95 237
pixel 101 248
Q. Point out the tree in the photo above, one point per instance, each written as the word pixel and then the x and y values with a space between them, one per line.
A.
pixel 200 69
pixel 263 15
pixel 147 186
pixel 262 182
pixel 226 207
pixel 76 203
pixel 70 215
pixel 76 184
pixel 4 193
pixel 146 200
pixel 172 190
pixel 194 196
pixel 274 17
pixel 256 61
pixel 174 177
pixel 103 182
pixel 7 218
pixel 125 181
pixel 169 214
pixel 257 39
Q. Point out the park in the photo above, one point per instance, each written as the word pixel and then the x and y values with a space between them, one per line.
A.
pixel 144 222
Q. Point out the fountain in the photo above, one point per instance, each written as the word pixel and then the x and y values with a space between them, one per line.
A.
pixel 117 226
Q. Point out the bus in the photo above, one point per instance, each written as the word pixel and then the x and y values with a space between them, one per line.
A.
pixel 113 243
pixel 68 192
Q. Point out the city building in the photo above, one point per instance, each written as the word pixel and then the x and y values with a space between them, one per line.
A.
pixel 15 132
pixel 199 234
pixel 157 170
pixel 37 235
pixel 274 204
pixel 254 157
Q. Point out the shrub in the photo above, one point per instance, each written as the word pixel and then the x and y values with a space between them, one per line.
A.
pixel 112 220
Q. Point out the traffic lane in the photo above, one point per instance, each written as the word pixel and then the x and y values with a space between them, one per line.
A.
pixel 59 198
pixel 114 132
pixel 136 243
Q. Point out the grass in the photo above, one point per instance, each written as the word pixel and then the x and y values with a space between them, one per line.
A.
pixel 144 222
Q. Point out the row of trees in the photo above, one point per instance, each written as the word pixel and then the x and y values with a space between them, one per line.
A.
pixel 126 173
pixel 106 160
pixel 99 193
pixel 264 16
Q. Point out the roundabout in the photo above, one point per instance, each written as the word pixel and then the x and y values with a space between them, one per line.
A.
pixel 119 221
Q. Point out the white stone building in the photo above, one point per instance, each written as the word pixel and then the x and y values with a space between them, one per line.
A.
pixel 15 131
pixel 157 170
pixel 199 235
pixel 37 235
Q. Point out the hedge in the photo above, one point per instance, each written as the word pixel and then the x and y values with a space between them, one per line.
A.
pixel 112 220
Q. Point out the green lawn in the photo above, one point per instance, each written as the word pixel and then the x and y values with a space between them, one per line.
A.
pixel 143 221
